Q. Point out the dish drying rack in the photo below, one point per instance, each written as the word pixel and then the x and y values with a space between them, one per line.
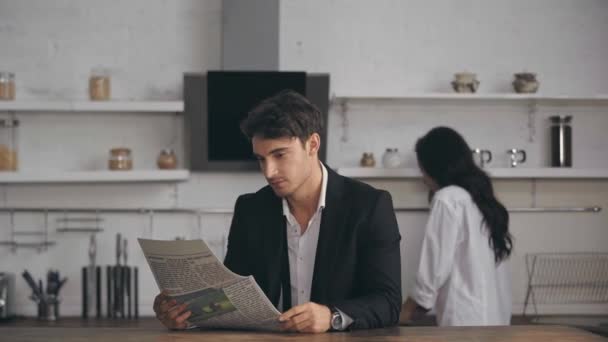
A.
pixel 566 278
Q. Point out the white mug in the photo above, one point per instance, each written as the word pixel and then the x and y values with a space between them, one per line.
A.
pixel 481 157
pixel 516 156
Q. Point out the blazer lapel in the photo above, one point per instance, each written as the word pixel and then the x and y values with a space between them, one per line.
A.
pixel 333 219
pixel 272 225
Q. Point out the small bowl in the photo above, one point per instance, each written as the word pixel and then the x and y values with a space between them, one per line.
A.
pixel 525 87
pixel 465 77
pixel 526 76
pixel 465 87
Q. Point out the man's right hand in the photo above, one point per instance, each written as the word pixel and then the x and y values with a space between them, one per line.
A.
pixel 169 313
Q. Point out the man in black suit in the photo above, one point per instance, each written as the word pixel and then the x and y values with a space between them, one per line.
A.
pixel 322 247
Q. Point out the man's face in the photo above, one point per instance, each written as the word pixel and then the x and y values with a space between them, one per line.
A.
pixel 285 162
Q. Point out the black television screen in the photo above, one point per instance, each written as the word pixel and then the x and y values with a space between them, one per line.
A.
pixel 230 96
pixel 217 101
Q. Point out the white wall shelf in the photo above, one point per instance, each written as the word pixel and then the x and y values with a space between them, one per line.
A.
pixel 537 98
pixel 134 176
pixel 93 106
pixel 498 173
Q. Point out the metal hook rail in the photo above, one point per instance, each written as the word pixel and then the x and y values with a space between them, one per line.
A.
pixel 209 211
pixel 44 243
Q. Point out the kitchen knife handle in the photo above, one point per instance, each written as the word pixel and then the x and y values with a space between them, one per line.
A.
pixel 30 281
pixel 118 248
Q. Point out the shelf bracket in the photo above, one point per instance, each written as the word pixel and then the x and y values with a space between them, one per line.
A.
pixel 532 110
pixel 151 224
pixel 199 224
pixel 13 236
pixel 344 115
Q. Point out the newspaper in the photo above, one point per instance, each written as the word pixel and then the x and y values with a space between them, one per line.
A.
pixel 218 298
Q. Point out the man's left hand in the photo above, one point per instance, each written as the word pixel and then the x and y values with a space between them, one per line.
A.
pixel 309 318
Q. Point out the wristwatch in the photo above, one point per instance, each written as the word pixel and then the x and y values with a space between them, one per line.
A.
pixel 337 321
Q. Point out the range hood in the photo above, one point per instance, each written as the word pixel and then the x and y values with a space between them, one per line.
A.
pixel 250 54
pixel 250 35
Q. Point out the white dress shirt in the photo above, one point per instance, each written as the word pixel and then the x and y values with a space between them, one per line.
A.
pixel 302 250
pixel 457 274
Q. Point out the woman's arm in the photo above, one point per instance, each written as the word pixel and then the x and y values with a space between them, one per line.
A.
pixel 411 312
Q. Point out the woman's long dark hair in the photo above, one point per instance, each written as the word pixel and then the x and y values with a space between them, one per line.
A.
pixel 445 156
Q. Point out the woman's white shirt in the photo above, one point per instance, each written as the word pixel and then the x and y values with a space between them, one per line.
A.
pixel 457 274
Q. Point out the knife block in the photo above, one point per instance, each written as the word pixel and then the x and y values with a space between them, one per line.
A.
pixel 121 289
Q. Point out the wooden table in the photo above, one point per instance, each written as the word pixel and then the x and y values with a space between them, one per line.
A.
pixel 426 334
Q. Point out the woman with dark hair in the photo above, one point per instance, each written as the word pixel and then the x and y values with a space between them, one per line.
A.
pixel 462 274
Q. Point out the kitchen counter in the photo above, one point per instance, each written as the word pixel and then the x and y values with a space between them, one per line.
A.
pixel 148 329
pixel 77 322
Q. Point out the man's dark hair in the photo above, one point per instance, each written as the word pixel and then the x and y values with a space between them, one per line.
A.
pixel 286 114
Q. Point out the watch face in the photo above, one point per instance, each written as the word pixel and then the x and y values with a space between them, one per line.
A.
pixel 336 321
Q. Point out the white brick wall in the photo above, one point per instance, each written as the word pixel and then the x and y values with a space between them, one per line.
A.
pixel 395 47
pixel 379 48
pixel 146 45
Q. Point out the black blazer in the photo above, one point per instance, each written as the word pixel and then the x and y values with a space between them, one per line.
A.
pixel 357 265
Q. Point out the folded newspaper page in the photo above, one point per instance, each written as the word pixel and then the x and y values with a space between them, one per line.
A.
pixel 217 297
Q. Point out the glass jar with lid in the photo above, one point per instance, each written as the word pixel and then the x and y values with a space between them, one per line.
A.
pixel 121 159
pixel 167 160
pixel 367 160
pixel 99 85
pixel 7 86
pixel 391 158
pixel 9 129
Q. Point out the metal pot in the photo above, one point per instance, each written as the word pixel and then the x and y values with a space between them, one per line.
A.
pixel 7 295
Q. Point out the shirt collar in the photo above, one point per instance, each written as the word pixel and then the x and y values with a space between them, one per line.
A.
pixel 321 204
